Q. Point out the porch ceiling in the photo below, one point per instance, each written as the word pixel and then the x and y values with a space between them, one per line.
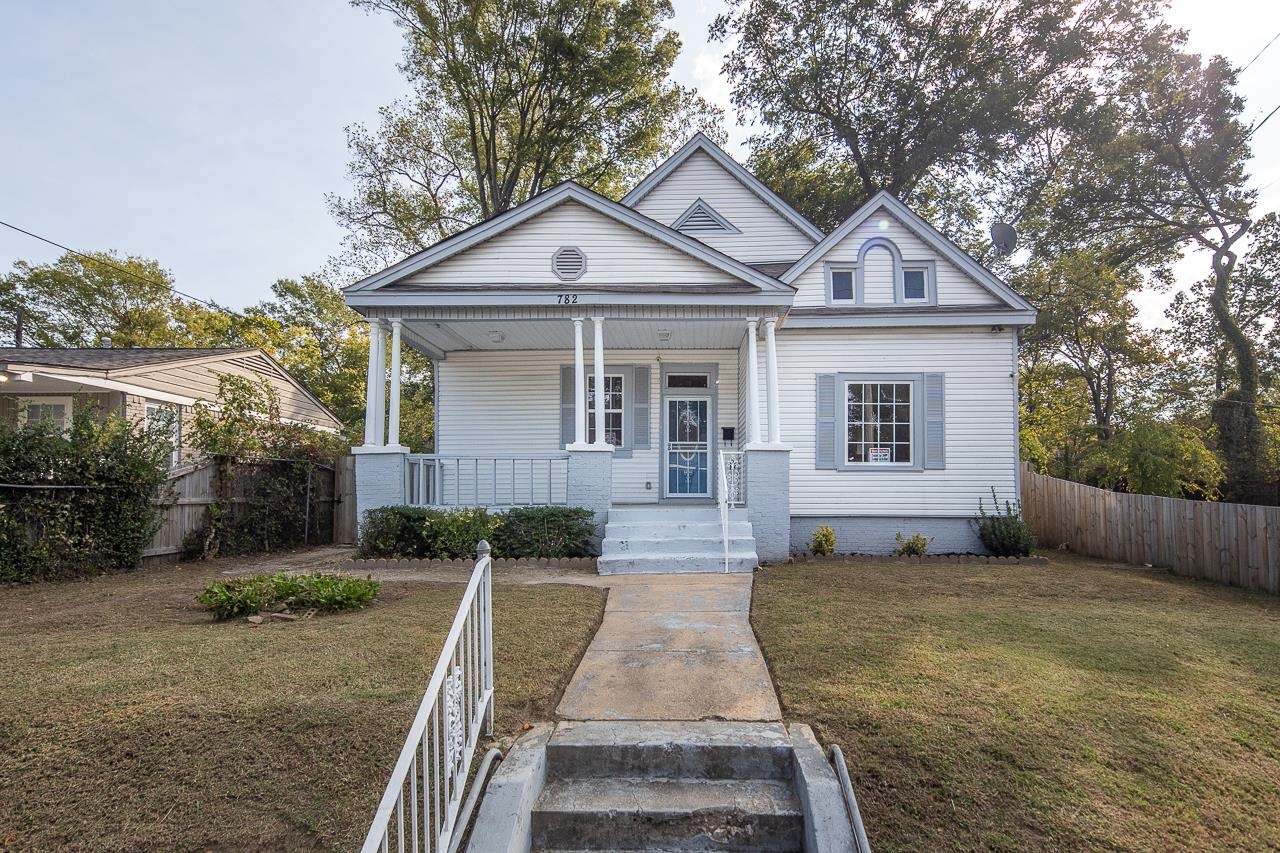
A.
pixel 443 336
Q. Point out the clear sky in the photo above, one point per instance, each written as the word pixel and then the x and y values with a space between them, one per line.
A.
pixel 205 135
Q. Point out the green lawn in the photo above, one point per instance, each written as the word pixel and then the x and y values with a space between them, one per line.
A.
pixel 1024 707
pixel 130 721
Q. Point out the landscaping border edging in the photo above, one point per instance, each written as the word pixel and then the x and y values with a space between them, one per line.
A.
pixel 927 559
pixel 575 564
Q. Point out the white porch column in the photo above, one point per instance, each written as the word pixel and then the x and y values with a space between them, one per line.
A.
pixel 598 334
pixel 580 386
pixel 771 381
pixel 380 390
pixel 753 384
pixel 371 384
pixel 393 430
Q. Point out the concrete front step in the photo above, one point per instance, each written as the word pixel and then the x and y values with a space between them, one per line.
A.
pixel 668 513
pixel 654 530
pixel 700 750
pixel 650 544
pixel 614 564
pixel 679 814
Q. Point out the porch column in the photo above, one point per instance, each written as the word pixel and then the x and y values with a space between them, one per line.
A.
pixel 771 381
pixel 393 430
pixel 753 384
pixel 598 332
pixel 371 384
pixel 580 386
pixel 380 390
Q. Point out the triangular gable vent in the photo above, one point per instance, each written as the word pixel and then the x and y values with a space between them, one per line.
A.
pixel 702 218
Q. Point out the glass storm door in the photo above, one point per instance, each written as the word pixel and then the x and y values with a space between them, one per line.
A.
pixel 688 451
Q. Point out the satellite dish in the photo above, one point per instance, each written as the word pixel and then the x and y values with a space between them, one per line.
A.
pixel 1004 237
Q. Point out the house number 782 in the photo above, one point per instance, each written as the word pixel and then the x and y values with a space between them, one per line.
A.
pixel 566 298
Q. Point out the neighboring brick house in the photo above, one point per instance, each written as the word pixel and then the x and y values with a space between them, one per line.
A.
pixel 141 383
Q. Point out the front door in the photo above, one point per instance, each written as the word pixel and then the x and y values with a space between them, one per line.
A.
pixel 688 451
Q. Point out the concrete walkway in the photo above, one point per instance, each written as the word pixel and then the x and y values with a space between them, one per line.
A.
pixel 673 647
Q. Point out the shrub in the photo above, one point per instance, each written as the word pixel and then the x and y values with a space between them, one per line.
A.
pixel 538 531
pixel 823 541
pixel 915 545
pixel 85 502
pixel 227 599
pixel 1004 534
pixel 545 531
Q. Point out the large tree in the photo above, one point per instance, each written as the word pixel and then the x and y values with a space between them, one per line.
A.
pixel 941 102
pixel 1163 171
pixel 509 98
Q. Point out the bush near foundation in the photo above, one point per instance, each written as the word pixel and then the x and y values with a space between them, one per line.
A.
pixel 427 533
pixel 1004 532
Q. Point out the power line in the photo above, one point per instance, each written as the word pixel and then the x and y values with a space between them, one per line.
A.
pixel 1254 129
pixel 121 269
pixel 1259 53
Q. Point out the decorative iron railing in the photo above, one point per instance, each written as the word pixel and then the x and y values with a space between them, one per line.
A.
pixel 528 479
pixel 735 474
pixel 419 810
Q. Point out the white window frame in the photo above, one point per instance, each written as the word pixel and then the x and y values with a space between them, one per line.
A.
pixel 930 287
pixel 160 405
pixel 622 412
pixel 915 383
pixel 49 400
pixel 830 271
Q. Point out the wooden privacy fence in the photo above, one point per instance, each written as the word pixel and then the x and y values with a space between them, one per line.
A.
pixel 1237 544
pixel 327 510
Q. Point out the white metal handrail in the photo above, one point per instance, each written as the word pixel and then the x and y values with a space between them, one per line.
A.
pixel 724 510
pixel 419 808
pixel 850 801
pixel 494 479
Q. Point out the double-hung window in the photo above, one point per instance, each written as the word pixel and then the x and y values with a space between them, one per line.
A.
pixel 613 409
pixel 166 417
pixel 841 284
pixel 879 420
pixel 56 410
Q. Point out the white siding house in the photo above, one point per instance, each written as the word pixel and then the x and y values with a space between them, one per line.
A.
pixel 864 379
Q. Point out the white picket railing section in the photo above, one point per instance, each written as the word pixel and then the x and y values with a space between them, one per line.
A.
pixel 419 808
pixel 529 479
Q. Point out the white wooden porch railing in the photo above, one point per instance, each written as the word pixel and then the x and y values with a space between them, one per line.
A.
pixel 419 808
pixel 529 479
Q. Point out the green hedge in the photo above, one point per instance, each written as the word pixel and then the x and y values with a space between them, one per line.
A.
pixel 536 531
pixel 80 503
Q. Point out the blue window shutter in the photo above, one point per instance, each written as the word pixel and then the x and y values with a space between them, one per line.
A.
pixel 566 405
pixel 825 448
pixel 640 409
pixel 935 421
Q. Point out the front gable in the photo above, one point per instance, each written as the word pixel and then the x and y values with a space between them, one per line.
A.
pixel 763 227
pixel 566 240
pixel 886 258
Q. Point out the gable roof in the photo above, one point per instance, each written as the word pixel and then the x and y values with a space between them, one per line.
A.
pixel 926 232
pixel 567 191
pixel 109 358
pixel 107 366
pixel 701 142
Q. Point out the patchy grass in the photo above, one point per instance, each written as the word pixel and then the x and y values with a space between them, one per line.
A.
pixel 1007 707
pixel 130 720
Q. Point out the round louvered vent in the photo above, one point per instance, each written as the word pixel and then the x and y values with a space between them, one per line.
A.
pixel 569 263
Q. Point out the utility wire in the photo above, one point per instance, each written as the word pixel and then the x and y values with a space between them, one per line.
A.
pixel 1259 53
pixel 1254 129
pixel 124 270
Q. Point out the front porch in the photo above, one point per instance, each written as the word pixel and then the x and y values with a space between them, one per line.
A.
pixel 686 419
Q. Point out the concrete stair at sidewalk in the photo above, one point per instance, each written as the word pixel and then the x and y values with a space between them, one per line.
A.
pixel 668 786
pixel 675 539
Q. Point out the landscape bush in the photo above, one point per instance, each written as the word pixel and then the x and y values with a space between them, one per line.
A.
pixel 80 502
pixel 226 599
pixel 823 541
pixel 915 545
pixel 429 533
pixel 1004 533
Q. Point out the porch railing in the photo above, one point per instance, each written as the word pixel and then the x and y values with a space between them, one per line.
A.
pixel 529 479
pixel 419 808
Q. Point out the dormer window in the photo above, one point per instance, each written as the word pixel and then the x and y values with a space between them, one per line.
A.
pixel 842 284
pixel 915 284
